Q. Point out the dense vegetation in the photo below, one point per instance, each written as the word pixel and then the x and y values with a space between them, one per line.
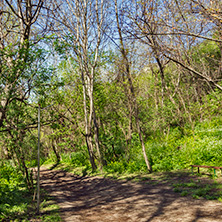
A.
pixel 123 86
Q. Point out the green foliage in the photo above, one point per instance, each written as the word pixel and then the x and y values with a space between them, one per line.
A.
pixel 179 151
pixel 208 53
pixel 116 167
pixel 79 158
pixel 54 217
pixel 137 165
pixel 16 201
pixel 48 205
pixel 74 159
pixel 12 191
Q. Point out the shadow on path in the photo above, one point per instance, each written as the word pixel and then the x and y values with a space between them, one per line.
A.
pixel 101 199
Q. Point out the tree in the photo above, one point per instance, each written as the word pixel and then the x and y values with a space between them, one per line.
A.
pixel 83 29
pixel 22 72
pixel 132 103
pixel 181 26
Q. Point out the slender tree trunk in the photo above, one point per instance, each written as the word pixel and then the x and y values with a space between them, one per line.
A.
pixel 132 97
pixel 88 122
pixel 149 167
pixel 20 156
pixel 84 13
pixel 96 135
pixel 90 151
pixel 56 152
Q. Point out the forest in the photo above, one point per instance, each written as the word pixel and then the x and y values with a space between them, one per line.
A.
pixel 122 86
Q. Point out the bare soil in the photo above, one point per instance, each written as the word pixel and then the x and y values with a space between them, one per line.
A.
pixel 102 199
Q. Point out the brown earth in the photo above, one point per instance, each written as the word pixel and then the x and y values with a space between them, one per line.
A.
pixel 104 200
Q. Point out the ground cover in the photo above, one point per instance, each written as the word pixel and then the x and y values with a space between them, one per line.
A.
pixel 17 203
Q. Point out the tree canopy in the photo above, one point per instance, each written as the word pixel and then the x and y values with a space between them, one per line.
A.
pixel 116 74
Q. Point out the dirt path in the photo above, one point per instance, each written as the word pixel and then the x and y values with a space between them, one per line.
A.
pixel 102 200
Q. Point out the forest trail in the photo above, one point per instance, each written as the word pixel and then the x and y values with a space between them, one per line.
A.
pixel 96 199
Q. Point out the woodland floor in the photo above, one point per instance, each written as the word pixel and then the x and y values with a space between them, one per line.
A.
pixel 107 200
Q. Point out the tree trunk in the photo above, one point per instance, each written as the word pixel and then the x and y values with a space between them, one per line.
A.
pixel 90 151
pixel 56 152
pixel 131 96
pixel 100 154
pixel 88 122
pixel 149 167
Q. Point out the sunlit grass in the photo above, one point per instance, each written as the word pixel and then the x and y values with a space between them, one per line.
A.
pixel 16 201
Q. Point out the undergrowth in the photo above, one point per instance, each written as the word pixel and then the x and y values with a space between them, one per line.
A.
pixel 16 201
pixel 178 149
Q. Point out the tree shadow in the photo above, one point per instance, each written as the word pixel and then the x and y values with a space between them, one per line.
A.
pixel 54 165
pixel 99 199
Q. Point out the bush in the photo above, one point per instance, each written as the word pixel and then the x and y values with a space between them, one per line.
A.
pixel 12 191
pixel 116 167
pixel 79 159
pixel 178 151
pixel 136 166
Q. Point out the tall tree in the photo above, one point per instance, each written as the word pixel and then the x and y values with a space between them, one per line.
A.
pixel 22 70
pixel 133 106
pixel 83 27
pixel 182 25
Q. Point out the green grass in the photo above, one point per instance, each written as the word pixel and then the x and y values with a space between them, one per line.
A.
pixel 49 211
pixel 24 208
pixel 16 201
pixel 211 190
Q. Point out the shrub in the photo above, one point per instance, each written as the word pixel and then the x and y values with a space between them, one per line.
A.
pixel 79 158
pixel 12 191
pixel 116 167
pixel 178 151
